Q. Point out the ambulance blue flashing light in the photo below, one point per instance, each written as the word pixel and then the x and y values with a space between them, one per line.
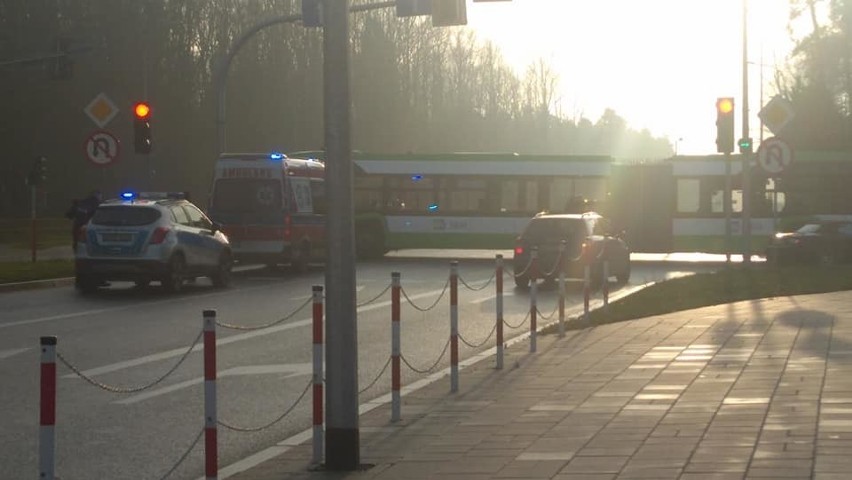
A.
pixel 277 156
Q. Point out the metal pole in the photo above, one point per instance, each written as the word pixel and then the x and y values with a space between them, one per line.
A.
pixel 454 326
pixel 499 275
pixel 342 433
pixel 396 341
pixel 726 205
pixel 746 174
pixel 211 423
pixel 33 241
pixel 317 318
pixel 562 288
pixel 47 410
pixel 533 299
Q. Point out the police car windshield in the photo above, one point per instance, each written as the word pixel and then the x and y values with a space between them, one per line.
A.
pixel 125 216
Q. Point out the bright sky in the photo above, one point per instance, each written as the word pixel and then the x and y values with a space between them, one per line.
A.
pixel 660 64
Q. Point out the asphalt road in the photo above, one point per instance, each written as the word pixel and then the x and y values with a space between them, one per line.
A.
pixel 129 339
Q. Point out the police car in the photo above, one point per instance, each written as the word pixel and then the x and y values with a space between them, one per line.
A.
pixel 151 237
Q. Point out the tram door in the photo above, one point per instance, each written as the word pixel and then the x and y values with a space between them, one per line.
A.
pixel 642 202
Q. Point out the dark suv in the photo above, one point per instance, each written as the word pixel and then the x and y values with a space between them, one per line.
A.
pixel 588 241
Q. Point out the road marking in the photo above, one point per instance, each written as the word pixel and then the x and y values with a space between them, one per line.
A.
pixel 118 309
pixel 114 367
pixel 288 369
pixel 489 298
pixel 11 353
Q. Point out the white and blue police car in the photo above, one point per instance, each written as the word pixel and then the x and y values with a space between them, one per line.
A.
pixel 148 237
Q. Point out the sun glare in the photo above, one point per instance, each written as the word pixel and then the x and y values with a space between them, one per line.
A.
pixel 659 64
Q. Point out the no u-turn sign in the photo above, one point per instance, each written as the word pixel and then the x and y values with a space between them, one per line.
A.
pixel 102 148
pixel 774 155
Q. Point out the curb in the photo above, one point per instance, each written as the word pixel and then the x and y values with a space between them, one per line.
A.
pixel 68 281
pixel 36 284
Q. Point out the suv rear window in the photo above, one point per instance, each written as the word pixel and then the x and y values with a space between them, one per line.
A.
pixel 125 216
pixel 554 228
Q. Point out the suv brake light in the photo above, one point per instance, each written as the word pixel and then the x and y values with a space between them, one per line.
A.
pixel 159 235
pixel 519 250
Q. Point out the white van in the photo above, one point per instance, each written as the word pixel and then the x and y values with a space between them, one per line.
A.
pixel 271 207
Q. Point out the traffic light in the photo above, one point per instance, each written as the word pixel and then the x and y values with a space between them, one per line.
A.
pixel 142 127
pixel 745 145
pixel 725 125
pixel 38 172
pixel 448 13
pixel 312 13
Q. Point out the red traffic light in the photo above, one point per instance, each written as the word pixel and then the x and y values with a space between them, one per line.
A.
pixel 142 110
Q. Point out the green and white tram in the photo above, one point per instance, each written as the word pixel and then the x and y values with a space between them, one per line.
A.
pixel 483 200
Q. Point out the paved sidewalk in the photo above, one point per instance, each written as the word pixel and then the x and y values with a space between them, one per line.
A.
pixel 755 389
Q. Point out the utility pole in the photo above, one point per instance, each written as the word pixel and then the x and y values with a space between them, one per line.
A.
pixel 342 451
pixel 746 152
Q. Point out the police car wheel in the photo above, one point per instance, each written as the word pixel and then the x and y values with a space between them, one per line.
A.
pixel 173 281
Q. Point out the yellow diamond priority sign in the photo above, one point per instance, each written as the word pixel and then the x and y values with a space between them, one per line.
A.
pixel 776 114
pixel 101 110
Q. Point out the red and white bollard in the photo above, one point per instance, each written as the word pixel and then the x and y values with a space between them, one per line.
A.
pixel 454 326
pixel 211 448
pixel 499 277
pixel 533 299
pixel 47 411
pixel 562 289
pixel 605 286
pixel 318 440
pixel 587 289
pixel 396 374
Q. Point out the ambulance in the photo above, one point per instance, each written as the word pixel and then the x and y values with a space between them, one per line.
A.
pixel 271 207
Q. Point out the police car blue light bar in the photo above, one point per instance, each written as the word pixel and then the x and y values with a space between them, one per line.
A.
pixel 128 195
pixel 276 156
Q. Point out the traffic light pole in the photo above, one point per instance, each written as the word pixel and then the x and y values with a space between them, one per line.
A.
pixel 746 153
pixel 726 205
pixel 342 450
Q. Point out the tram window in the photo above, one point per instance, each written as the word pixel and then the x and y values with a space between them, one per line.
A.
pixel 717 205
pixel 561 190
pixel 775 198
pixel 688 195
pixel 519 196
pixel 464 195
